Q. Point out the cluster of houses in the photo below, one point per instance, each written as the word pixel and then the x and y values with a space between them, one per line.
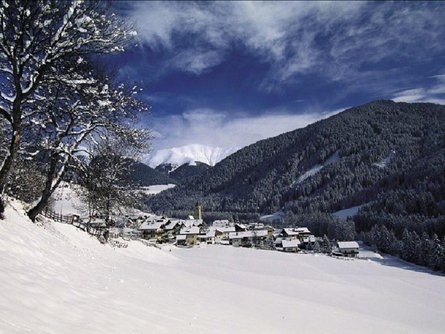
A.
pixel 190 232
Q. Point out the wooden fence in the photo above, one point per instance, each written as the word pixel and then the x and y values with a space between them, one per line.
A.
pixel 91 228
pixel 72 220
pixel 60 218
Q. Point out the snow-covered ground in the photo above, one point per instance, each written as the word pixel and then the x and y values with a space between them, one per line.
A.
pixel 277 216
pixel 66 201
pixel 386 161
pixel 155 189
pixel 349 212
pixel 57 279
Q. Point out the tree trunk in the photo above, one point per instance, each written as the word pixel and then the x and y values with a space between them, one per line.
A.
pixel 11 155
pixel 48 190
pixel 16 123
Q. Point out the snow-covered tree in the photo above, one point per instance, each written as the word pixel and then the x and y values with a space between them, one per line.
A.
pixel 316 247
pixel 82 112
pixel 41 41
pixel 327 244
pixel 106 180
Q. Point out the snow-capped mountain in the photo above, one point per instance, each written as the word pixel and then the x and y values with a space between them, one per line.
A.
pixel 188 154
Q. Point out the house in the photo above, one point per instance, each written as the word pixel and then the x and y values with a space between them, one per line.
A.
pixel 222 223
pixel 289 233
pixel 248 238
pixel 190 222
pixel 222 233
pixel 348 248
pixel 208 238
pixel 240 227
pixel 259 238
pixel 191 235
pixel 291 245
pixel 171 229
pixel 236 239
pixel 278 242
pixel 131 233
pixel 181 240
pixel 153 229
pixel 302 234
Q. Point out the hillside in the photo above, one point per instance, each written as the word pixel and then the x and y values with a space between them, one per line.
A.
pixel 144 175
pixel 276 172
pixel 390 156
pixel 57 279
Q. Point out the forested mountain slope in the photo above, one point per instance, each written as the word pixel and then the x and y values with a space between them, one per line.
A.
pixel 352 158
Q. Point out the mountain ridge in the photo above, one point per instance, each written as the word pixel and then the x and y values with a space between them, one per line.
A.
pixel 188 154
pixel 258 178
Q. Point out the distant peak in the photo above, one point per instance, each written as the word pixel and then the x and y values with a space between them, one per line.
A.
pixel 188 154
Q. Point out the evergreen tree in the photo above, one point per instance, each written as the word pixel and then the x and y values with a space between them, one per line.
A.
pixel 327 245
pixel 316 247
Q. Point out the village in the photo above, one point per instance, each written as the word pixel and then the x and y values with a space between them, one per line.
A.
pixel 155 230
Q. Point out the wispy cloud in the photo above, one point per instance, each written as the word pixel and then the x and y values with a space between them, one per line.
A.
pixel 220 129
pixel 435 93
pixel 332 39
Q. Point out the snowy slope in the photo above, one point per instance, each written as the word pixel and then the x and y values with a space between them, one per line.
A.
pixel 66 201
pixel 155 189
pixel 315 169
pixel 56 279
pixel 188 154
pixel 349 212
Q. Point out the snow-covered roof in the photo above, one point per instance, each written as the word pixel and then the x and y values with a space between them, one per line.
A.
pixel 150 226
pixel 226 229
pixel 347 244
pixel 247 234
pixel 221 223
pixel 302 230
pixel 208 235
pixel 291 243
pixel 290 231
pixel 192 222
pixel 237 235
pixel 181 237
pixel 241 226
pixel 260 233
pixel 190 230
pixel 172 224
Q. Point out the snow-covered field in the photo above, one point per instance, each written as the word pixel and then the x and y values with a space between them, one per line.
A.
pixel 155 189
pixel 56 279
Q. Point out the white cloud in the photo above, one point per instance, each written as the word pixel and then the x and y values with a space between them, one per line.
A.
pixel 333 39
pixel 218 129
pixel 195 61
pixel 434 94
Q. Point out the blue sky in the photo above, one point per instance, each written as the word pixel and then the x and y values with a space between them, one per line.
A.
pixel 230 73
